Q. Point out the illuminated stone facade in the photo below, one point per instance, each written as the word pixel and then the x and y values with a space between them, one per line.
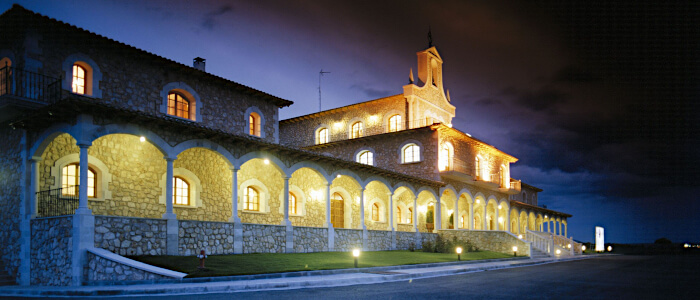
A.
pixel 166 184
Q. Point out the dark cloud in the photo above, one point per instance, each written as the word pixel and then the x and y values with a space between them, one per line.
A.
pixel 574 74
pixel 210 21
pixel 543 99
pixel 372 93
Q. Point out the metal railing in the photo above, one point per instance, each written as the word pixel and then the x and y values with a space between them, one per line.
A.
pixel 29 85
pixel 58 202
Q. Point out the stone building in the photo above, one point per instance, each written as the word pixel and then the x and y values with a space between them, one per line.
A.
pixel 180 160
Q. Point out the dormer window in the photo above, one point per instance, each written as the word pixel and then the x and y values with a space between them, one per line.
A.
pixel 178 105
pixel 79 76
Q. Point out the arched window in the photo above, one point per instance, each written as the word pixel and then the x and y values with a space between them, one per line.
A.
pixel 446 154
pixel 337 211
pixel 365 157
pixel 461 222
pixel 356 130
pixel 254 124
pixel 79 76
pixel 375 212
pixel 71 178
pixel 322 136
pixel 398 214
pixel 395 123
pixel 181 191
pixel 410 153
pixel 409 217
pixel 292 204
pixel 251 199
pixel 178 105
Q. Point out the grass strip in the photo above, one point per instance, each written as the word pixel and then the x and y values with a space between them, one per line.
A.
pixel 260 263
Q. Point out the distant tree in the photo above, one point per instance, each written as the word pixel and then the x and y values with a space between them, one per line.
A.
pixel 663 241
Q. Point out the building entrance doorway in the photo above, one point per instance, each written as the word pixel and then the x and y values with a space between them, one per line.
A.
pixel 337 211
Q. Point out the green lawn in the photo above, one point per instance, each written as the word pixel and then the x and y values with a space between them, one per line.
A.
pixel 242 264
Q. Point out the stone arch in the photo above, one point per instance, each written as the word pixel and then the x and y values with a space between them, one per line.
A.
pixel 130 129
pixel 405 185
pixel 312 185
pixel 378 179
pixel 513 222
pixel 265 169
pixel 531 221
pixel 348 202
pixel 425 197
pixel 448 196
pixel 346 172
pixel 309 165
pixel 206 144
pixel 523 221
pixel 403 197
pixel 377 191
pixel 47 136
pixel 273 160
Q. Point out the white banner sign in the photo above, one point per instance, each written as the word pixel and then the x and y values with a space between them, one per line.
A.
pixel 599 239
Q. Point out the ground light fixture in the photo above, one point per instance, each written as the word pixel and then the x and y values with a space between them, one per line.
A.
pixel 609 248
pixel 558 251
pixel 515 251
pixel 459 253
pixel 356 254
pixel 583 248
pixel 569 246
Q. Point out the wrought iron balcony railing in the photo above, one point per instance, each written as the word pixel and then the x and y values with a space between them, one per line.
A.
pixel 342 132
pixel 58 202
pixel 29 85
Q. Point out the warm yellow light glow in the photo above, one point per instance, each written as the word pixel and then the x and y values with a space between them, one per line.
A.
pixel 569 246
pixel 373 118
pixel 558 251
pixel 469 135
pixel 449 125
pixel 609 248
pixel 422 209
pixel 315 195
pixel 583 247
pixel 337 176
pixel 545 216
pixel 515 248
pixel 520 236
pixel 356 252
pixel 500 219
pixel 142 139
pixel 338 125
pixel 477 201
pixel 686 245
pixel 459 250
pixel 266 161
pixel 499 206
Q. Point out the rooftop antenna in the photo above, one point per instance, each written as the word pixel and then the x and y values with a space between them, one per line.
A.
pixel 320 74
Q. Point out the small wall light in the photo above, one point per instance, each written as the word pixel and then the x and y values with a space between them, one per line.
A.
pixel 477 201
pixel 142 139
pixel 459 253
pixel 583 248
pixel 569 246
pixel 520 236
pixel 499 206
pixel 515 251
pixel 337 176
pixel 609 248
pixel 356 254
pixel 266 161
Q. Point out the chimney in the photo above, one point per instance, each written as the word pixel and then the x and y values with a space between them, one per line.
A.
pixel 199 63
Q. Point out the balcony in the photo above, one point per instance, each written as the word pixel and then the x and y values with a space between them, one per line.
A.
pixel 21 90
pixel 460 170
pixel 57 202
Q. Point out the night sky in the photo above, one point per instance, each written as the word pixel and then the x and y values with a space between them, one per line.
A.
pixel 600 104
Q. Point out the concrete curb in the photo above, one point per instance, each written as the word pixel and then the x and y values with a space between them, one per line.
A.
pixel 328 279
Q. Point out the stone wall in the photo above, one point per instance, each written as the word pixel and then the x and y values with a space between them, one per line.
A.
pixel 301 131
pixel 497 241
pixel 213 237
pixel 102 269
pixel 310 239
pixel 215 176
pixel 264 238
pixel 130 236
pixel 134 79
pixel 347 239
pixel 273 185
pixel 378 240
pixel 10 197
pixel 427 237
pixel 52 249
pixel 404 240
pixel 310 183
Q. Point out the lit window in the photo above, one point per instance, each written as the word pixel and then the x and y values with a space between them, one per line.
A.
pixel 398 214
pixel 375 212
pixel 461 222
pixel 178 106
pixel 477 167
pixel 292 204
pixel 181 191
pixel 445 162
pixel 356 130
pixel 254 124
pixel 366 157
pixel 409 218
pixel 71 178
pixel 322 136
pixel 79 75
pixel 251 199
pixel 411 153
pixel 395 123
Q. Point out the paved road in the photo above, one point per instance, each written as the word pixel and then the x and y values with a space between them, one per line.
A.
pixel 611 277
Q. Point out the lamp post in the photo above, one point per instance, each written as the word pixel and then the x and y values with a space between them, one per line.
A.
pixel 356 254
pixel 459 253
pixel 515 251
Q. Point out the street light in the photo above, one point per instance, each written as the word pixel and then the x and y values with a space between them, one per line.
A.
pixel 459 253
pixel 356 254
pixel 515 251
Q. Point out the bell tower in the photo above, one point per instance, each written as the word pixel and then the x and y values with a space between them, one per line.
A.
pixel 427 101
